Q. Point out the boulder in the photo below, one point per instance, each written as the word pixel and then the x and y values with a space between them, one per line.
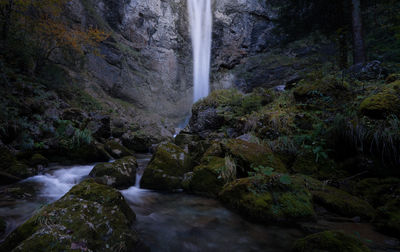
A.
pixel 138 141
pixel 384 103
pixel 12 170
pixel 250 155
pixel 120 174
pixel 166 168
pixel 207 178
pixel 388 218
pixel 116 150
pixel 90 217
pixel 372 70
pixel 329 241
pixel 338 201
pixel 270 199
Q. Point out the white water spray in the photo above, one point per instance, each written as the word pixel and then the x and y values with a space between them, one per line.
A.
pixel 201 27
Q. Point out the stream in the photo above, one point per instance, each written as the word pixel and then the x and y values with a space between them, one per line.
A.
pixel 166 221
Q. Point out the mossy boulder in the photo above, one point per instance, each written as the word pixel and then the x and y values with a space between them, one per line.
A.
pixel 207 179
pixel 306 164
pixel 392 78
pixel 384 103
pixel 378 191
pixel 167 167
pixel 12 169
pixel 249 155
pixel 116 150
pixel 90 217
pixel 138 141
pixel 316 88
pixel 338 201
pixel 388 218
pixel 88 153
pixel 269 200
pixel 38 160
pixel 120 174
pixel 329 241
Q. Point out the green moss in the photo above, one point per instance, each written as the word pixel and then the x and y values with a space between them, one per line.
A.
pixel 249 155
pixel 268 200
pixel 116 150
pixel 120 174
pixel 207 178
pixel 384 103
pixel 377 191
pixel 305 164
pixel 38 159
pixel 337 200
pixel 318 87
pixel 166 168
pixel 89 217
pixel 329 241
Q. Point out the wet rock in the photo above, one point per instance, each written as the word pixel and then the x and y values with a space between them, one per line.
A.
pixel 166 168
pixel 138 141
pixel 120 174
pixel 207 178
pixel 117 150
pixel 338 201
pixel 89 217
pixel 11 169
pixel 329 241
pixel 269 199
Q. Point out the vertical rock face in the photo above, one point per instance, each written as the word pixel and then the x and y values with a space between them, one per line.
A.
pixel 146 61
pixel 242 28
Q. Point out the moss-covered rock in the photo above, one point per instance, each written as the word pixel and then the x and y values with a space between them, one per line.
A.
pixel 11 168
pixel 388 218
pixel 329 241
pixel 119 174
pixel 338 201
pixel 89 217
pixel 166 168
pixel 248 155
pixel 88 153
pixel 327 86
pixel 378 191
pixel 38 159
pixel 383 103
pixel 306 164
pixel 269 200
pixel 207 179
pixel 116 150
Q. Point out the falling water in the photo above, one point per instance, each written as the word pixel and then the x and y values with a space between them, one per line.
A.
pixel 201 27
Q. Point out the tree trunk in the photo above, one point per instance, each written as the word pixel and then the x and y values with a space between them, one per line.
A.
pixel 343 49
pixel 358 39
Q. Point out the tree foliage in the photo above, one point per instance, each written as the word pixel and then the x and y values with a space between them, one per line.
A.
pixel 41 25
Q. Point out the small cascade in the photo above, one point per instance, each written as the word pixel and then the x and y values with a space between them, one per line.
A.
pixel 200 18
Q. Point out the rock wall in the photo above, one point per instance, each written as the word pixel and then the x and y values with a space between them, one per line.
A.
pixel 145 62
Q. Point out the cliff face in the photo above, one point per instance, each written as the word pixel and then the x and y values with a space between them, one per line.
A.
pixel 147 62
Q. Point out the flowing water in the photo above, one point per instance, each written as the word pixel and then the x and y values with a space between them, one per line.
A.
pixel 165 221
pixel 200 19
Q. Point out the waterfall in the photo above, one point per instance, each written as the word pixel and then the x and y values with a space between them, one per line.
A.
pixel 201 27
